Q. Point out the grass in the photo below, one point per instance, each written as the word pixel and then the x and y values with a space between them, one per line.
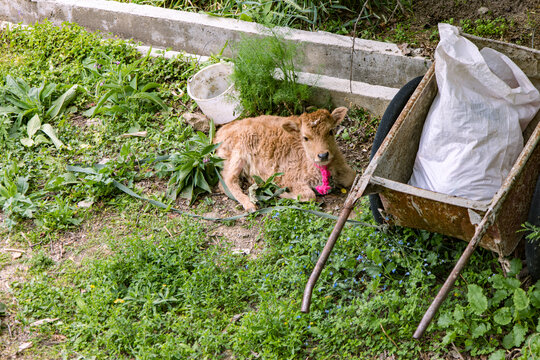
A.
pixel 125 280
pixel 334 16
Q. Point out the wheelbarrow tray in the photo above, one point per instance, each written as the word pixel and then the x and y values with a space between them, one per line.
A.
pixel 406 205
pixel 493 225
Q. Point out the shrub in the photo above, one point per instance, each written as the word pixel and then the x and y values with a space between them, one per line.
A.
pixel 256 64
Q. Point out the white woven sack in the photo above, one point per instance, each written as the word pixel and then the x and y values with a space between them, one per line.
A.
pixel 473 131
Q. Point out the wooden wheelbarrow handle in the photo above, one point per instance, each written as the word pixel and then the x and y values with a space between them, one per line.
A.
pixel 481 230
pixel 306 300
pixel 357 190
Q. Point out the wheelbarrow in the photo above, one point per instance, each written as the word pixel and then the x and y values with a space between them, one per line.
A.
pixel 494 226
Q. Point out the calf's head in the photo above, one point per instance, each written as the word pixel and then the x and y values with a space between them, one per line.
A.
pixel 316 132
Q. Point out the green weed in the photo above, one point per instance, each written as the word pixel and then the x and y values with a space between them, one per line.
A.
pixel 195 169
pixel 265 192
pixel 16 201
pixel 486 28
pixel 40 262
pixel 181 296
pixel 303 14
pixel 254 75
pixel 121 91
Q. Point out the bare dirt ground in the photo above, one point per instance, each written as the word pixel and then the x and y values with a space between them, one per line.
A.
pixel 522 15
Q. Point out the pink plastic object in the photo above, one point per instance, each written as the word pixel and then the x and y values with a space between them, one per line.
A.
pixel 325 187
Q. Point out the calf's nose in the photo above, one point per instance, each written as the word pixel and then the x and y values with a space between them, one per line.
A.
pixel 323 156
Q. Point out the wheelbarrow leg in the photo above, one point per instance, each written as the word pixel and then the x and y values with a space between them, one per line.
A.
pixel 481 230
pixel 306 300
pixel 357 190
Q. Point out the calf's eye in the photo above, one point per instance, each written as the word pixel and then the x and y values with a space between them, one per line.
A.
pixel 305 138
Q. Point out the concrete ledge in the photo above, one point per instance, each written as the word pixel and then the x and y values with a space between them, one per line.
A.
pixel 378 68
pixel 374 98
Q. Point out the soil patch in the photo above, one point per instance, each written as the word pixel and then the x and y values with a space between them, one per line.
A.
pixel 523 19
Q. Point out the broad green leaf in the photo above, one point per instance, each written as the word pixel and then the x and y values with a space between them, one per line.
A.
pixel 498 281
pixel 116 109
pixel 498 355
pixel 520 331
pixel 40 139
pixel 479 330
pixel 187 192
pixel 245 17
pixel 515 267
pixel 521 300
pixel 499 296
pixel 183 174
pixel 133 83
pixel 4 193
pixel 280 191
pixel 27 142
pixel 94 110
pixel 46 92
pixel 6 110
pixel 151 97
pixel 17 87
pixel 33 125
pixel 508 340
pixel 258 180
pixel 273 177
pixel 449 337
pixel 201 182
pixel 51 133
pixel 22 184
pixel 62 101
pixel 208 149
pixel 150 86
pixel 502 316
pixel 512 283
pixel 477 299
pixel 445 320
pixel 23 105
pixel 535 297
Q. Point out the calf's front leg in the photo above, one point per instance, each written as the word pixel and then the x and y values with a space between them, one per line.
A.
pixel 232 169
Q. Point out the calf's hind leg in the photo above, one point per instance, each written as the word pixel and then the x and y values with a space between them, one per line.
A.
pixel 232 169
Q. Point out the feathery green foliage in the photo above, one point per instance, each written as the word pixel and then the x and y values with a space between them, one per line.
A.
pixel 265 75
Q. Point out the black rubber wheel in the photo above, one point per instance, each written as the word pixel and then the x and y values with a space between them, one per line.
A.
pixel 389 118
pixel 532 248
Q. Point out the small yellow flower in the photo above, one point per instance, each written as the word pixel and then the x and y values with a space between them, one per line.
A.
pixel 118 301
pixel 286 323
pixel 311 323
pixel 164 285
pixel 343 190
pixel 92 286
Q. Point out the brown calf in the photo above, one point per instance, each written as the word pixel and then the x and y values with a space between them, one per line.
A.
pixel 293 145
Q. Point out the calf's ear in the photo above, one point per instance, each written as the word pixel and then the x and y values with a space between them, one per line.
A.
pixel 291 126
pixel 339 114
